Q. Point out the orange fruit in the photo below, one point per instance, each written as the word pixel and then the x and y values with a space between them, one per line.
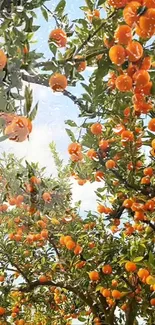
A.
pixel 117 3
pixel 116 294
pixel 134 51
pixel 127 136
pixel 149 205
pixel 59 37
pixel 127 203
pixel 107 269
pixel 66 239
pixel 108 42
pixel 46 197
pixel 117 54
pixel 124 83
pixel 78 249
pixel 74 148
pixel 2 278
pixel 141 78
pixel 70 244
pixel 101 208
pixel 92 154
pixel 151 125
pixel 43 278
pixel 106 293
pixel 81 66
pixel 19 129
pixel 93 14
pixel 130 266
pixel 58 82
pixel 152 302
pixel 148 171
pixel 94 276
pixel 35 180
pixel 96 128
pixel 146 63
pixel 149 3
pixel 145 90
pixel 76 157
pixel 143 273
pixel 144 33
pixel 110 164
pixel 147 21
pixel 114 283
pixel 130 13
pixel 104 144
pixel 123 34
pixel 3 60
pixel 99 176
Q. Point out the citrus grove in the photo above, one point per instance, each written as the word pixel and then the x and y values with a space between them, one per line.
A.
pixel 56 265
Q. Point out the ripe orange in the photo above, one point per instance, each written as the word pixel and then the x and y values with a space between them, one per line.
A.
pixel 123 34
pixel 149 205
pixel 43 278
pixel 134 51
pixel 101 208
pixel 3 60
pixel 81 66
pixel 149 3
pixel 66 239
pixel 152 302
pixel 70 244
pixel 107 269
pixel 104 144
pixel 147 21
pixel 146 63
pixel 153 143
pixel 59 36
pixel 151 125
pixel 143 273
pixel 116 294
pixel 106 293
pixel 114 283
pixel 91 153
pixel 130 13
pixel 35 180
pixel 78 249
pixel 108 42
pixel 124 83
pixel 141 78
pixel 74 148
pixel 94 276
pixel 2 278
pixel 148 171
pixel 130 266
pixel 99 176
pixel 76 157
pixel 19 129
pixel 58 82
pixel 93 14
pixel 96 128
pixel 2 311
pixel 110 164
pixel 127 136
pixel 128 203
pixel 117 54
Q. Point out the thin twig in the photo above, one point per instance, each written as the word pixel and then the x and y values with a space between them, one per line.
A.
pixel 94 33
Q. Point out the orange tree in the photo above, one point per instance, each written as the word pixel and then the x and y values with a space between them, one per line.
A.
pixel 100 269
pixel 56 266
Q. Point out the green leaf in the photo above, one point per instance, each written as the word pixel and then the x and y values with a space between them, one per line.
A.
pixel 90 4
pixel 82 319
pixel 71 123
pixel 28 99
pixel 44 13
pixel 33 113
pixel 71 135
pixel 60 7
pixel 138 259
pixel 100 2
pixel 3 138
pixel 151 259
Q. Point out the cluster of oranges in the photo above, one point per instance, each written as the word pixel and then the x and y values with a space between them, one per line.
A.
pixel 17 127
pixel 70 244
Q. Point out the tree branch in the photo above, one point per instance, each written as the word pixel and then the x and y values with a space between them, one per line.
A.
pixel 86 299
pixel 94 33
